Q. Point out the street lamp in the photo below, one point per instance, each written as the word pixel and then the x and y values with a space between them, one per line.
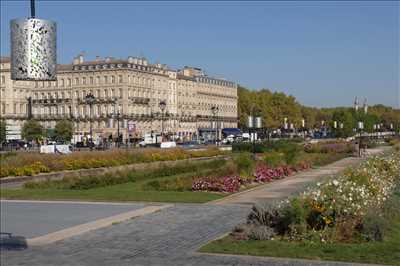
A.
pixel 90 100
pixel 360 128
pixel 254 123
pixel 162 106
pixel 214 111
pixel 117 114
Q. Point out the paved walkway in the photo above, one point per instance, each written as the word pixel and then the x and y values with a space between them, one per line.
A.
pixel 170 236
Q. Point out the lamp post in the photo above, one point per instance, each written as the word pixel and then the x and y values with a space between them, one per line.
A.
pixel 360 128
pixel 162 106
pixel 214 111
pixel 285 124
pixel 117 114
pixel 254 123
pixel 90 100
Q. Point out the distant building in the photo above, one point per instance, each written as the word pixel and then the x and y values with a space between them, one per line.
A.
pixel 132 86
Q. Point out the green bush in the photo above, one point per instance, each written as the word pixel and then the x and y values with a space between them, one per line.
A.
pixel 244 163
pixel 248 147
pixel 273 158
pixel 291 153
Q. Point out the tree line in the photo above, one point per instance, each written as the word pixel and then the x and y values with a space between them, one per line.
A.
pixel 274 107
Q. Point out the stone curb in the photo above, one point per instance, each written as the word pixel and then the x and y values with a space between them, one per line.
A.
pixel 86 227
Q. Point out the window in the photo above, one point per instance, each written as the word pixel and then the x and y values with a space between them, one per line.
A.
pixel 98 80
pixel 120 78
pixel 76 81
pixel 91 80
pixel 84 80
pixel 105 79
pixel 3 79
pixel 120 93
pixel 69 82
pixel 112 79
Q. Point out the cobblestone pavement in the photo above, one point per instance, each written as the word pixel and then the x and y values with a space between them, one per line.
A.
pixel 168 237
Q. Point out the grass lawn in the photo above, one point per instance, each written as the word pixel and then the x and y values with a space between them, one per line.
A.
pixel 386 252
pixel 131 191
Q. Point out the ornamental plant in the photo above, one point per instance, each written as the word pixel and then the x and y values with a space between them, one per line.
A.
pixel 339 210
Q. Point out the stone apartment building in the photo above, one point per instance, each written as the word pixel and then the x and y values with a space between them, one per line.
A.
pixel 127 93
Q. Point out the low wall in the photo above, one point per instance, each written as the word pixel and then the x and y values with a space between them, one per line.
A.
pixel 103 170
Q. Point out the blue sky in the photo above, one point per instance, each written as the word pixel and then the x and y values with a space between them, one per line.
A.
pixel 323 53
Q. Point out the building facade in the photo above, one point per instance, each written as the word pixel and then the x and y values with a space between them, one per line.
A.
pixel 127 96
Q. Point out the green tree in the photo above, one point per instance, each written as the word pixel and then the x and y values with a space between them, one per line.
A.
pixel 32 130
pixel 2 131
pixel 273 107
pixel 64 130
pixel 344 116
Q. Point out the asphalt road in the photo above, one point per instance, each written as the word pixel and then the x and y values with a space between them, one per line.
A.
pixel 32 219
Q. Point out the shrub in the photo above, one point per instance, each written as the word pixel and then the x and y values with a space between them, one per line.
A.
pixel 273 159
pixel 244 163
pixel 290 152
pixel 261 233
pixel 248 147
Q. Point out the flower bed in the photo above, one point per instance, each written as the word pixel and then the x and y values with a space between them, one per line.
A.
pixel 34 163
pixel 350 208
pixel 233 183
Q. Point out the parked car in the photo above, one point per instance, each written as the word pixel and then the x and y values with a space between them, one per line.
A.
pixel 168 144
pixel 190 144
